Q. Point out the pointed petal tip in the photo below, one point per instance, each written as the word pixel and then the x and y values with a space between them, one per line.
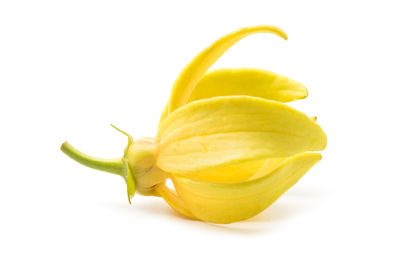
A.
pixel 269 28
pixel 325 140
pixel 305 92
pixel 283 35
pixel 318 156
pixel 322 139
pixel 303 89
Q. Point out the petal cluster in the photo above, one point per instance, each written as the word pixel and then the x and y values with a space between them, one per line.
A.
pixel 227 140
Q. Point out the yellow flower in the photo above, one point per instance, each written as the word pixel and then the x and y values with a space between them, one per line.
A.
pixel 225 139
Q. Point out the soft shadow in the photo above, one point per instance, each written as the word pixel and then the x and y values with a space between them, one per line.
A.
pixel 242 227
pixel 305 193
pixel 277 212
pixel 159 208
pixel 290 205
pixel 148 207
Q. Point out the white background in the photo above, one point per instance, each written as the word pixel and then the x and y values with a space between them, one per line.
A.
pixel 70 68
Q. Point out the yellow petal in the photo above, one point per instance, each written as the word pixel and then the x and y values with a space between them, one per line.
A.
pixel 246 81
pixel 226 203
pixel 251 82
pixel 194 71
pixel 233 173
pixel 221 131
pixel 268 166
pixel 173 200
pixel 237 172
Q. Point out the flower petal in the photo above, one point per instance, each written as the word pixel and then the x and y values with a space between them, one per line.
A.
pixel 246 81
pixel 221 131
pixel 226 203
pixel 251 82
pixel 194 71
pixel 229 174
pixel 237 172
pixel 173 200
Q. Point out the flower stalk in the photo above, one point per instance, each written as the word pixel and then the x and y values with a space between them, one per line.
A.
pixel 114 166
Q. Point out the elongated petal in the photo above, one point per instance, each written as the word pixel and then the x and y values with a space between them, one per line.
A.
pixel 222 131
pixel 251 82
pixel 226 203
pixel 194 71
pixel 246 81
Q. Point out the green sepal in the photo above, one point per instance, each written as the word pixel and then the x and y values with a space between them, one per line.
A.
pixel 116 166
pixel 130 182
pixel 130 139
pixel 127 174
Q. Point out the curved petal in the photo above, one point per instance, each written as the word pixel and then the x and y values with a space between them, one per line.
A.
pixel 173 200
pixel 221 131
pixel 246 81
pixel 250 82
pixel 194 71
pixel 226 203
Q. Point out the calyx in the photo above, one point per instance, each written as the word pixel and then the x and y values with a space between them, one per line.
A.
pixel 137 166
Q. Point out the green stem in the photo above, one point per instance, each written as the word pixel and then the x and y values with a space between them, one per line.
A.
pixel 115 166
